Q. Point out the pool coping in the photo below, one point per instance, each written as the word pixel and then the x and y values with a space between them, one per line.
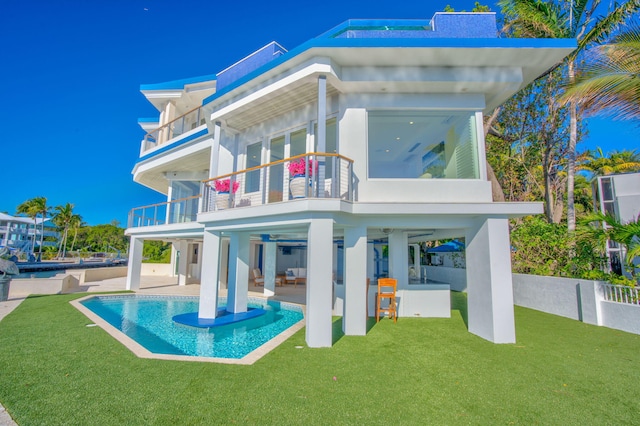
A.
pixel 142 352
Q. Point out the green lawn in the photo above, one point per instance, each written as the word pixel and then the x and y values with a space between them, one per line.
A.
pixel 54 370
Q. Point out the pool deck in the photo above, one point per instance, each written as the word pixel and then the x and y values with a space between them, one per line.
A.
pixel 166 286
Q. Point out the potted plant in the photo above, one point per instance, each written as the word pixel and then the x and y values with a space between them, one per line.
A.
pixel 297 171
pixel 223 187
pixel 7 268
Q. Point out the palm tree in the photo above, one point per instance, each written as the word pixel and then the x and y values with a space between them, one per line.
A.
pixel 560 19
pixel 75 223
pixel 610 84
pixel 32 208
pixel 624 161
pixel 63 221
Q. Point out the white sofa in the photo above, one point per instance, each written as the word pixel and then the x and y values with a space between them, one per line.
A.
pixel 296 276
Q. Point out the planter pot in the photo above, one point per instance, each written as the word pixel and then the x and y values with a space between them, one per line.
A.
pixel 296 186
pixel 222 201
pixel 4 288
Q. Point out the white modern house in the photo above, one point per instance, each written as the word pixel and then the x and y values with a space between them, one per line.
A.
pixel 387 116
pixel 618 195
pixel 22 234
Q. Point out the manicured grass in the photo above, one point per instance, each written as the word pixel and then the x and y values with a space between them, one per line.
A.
pixel 54 370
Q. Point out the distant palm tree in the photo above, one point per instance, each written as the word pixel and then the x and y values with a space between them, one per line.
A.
pixel 610 84
pixel 75 223
pixel 63 221
pixel 32 208
pixel 624 161
pixel 562 19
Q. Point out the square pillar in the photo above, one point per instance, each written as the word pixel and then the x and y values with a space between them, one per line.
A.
pixel 399 258
pixel 269 266
pixel 209 280
pixel 319 283
pixel 321 142
pixel 489 282
pixel 135 263
pixel 183 249
pixel 354 320
pixel 238 286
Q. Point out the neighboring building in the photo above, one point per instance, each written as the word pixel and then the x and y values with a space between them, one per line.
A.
pixel 390 113
pixel 618 195
pixel 22 234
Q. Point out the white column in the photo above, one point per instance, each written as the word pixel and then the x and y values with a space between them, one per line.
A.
pixel 182 262
pixel 416 259
pixel 399 258
pixel 215 149
pixel 322 132
pixel 319 283
pixel 237 294
pixel 489 285
pixel 174 258
pixel 269 268
pixel 209 281
pixel 135 263
pixel 354 319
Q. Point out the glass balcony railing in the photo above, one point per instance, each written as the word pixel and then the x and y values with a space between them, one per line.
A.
pixel 173 129
pixel 312 175
pixel 176 211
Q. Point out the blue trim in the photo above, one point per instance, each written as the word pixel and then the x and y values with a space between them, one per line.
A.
pixel 457 43
pixel 178 84
pixel 173 145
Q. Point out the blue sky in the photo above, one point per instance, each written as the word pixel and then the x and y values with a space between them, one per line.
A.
pixel 72 69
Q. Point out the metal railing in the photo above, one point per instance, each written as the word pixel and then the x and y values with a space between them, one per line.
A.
pixel 173 129
pixel 621 294
pixel 324 175
pixel 176 211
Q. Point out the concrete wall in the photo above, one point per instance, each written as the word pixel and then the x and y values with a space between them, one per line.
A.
pixel 558 296
pixel 424 300
pixel 99 274
pixel 455 277
pixel 577 299
pixel 621 316
pixel 59 284
pixel 156 269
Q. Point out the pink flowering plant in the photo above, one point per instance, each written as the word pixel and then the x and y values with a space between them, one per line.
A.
pixel 224 185
pixel 296 168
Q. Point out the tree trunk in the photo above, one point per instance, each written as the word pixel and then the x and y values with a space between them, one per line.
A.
pixel 497 194
pixel 571 165
pixel 548 197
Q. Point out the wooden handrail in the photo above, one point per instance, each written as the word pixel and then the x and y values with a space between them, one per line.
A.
pixel 251 169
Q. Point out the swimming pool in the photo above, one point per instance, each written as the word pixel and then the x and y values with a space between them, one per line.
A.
pixel 148 321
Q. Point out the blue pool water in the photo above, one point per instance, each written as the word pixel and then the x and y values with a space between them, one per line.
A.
pixel 148 321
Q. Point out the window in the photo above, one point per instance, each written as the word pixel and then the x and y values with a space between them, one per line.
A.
pixel 276 172
pixel 416 144
pixel 298 143
pixel 253 159
pixel 331 140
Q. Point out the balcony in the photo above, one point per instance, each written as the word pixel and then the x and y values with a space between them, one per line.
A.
pixel 172 129
pixel 320 175
pixel 324 175
pixel 176 211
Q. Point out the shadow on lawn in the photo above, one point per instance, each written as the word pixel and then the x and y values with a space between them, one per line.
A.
pixel 459 303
